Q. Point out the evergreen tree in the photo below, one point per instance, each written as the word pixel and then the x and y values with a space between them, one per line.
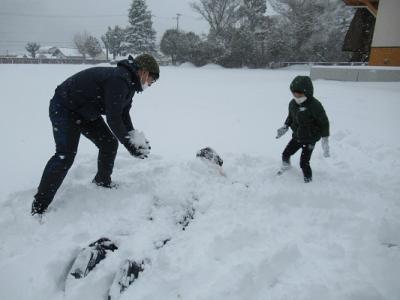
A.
pixel 190 46
pixel 140 36
pixel 181 46
pixel 207 52
pixel 170 44
pixel 241 49
pixel 32 48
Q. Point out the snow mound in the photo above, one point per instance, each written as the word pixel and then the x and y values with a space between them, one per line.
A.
pixel 301 67
pixel 187 65
pixel 212 67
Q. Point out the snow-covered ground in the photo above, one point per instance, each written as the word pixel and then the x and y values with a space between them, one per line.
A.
pixel 254 235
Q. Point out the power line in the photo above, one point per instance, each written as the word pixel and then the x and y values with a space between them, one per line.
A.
pixel 59 16
pixel 162 17
pixel 85 16
pixel 21 32
pixel 42 42
pixel 193 17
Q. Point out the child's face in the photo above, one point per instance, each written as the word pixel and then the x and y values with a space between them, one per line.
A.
pixel 298 94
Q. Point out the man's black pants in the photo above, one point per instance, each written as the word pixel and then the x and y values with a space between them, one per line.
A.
pixel 305 157
pixel 67 128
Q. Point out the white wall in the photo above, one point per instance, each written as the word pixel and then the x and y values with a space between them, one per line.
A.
pixel 387 26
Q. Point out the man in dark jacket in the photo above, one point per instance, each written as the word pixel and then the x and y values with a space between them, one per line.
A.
pixel 76 109
pixel 309 123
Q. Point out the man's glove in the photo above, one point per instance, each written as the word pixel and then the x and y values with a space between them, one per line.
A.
pixel 281 131
pixel 137 144
pixel 325 146
pixel 138 152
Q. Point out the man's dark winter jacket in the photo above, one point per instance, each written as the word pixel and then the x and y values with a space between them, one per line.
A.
pixel 102 91
pixel 308 120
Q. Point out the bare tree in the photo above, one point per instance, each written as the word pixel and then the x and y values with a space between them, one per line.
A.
pixel 87 44
pixel 113 39
pixel 80 42
pixel 314 29
pixel 32 48
pixel 220 14
pixel 93 46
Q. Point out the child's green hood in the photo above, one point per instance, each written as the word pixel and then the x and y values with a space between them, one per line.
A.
pixel 303 84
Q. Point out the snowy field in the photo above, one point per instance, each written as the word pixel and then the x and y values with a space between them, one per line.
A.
pixel 253 236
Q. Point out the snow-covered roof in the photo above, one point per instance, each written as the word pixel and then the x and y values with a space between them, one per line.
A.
pixel 67 52
pixel 70 52
pixel 46 49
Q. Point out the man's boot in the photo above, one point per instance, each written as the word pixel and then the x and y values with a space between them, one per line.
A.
pixel 104 183
pixel 39 205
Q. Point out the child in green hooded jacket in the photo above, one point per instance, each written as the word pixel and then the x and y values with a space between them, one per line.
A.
pixel 309 123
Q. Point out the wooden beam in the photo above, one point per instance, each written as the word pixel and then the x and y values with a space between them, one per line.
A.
pixel 372 8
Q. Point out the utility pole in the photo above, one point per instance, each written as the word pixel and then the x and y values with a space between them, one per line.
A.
pixel 178 15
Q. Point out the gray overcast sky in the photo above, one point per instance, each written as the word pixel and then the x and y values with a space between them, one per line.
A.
pixel 54 22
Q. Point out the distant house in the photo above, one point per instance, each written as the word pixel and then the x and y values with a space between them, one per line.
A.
pixel 64 53
pixel 58 52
